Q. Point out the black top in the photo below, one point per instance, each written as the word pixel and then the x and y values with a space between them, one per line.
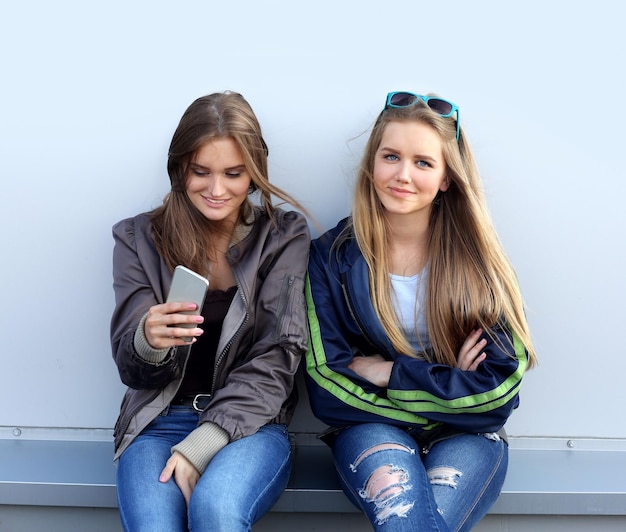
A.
pixel 201 363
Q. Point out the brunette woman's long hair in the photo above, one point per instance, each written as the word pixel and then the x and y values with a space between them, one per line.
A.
pixel 471 282
pixel 182 234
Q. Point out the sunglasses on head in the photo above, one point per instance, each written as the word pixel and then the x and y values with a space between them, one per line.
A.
pixel 443 107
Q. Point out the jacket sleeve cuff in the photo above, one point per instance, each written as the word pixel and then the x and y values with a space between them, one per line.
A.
pixel 203 444
pixel 144 349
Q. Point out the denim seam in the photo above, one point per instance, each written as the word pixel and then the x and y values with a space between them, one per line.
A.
pixel 484 487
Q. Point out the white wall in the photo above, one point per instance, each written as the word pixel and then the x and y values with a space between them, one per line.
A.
pixel 92 91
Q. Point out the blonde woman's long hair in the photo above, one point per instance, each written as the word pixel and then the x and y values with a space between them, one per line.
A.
pixel 471 282
pixel 182 234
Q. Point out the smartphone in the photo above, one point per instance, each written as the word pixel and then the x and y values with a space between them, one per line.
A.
pixel 187 285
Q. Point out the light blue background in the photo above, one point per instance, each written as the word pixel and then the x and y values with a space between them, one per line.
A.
pixel 92 91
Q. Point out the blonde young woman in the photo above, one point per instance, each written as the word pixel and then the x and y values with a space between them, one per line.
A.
pixel 201 438
pixel 418 338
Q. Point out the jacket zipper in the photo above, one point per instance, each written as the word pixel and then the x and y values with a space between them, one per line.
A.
pixel 284 300
pixel 354 315
pixel 221 356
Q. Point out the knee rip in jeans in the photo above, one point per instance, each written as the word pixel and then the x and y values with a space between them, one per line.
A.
pixel 444 476
pixel 385 485
pixel 449 476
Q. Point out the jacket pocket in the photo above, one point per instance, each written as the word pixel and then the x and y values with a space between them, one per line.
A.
pixel 290 323
pixel 132 403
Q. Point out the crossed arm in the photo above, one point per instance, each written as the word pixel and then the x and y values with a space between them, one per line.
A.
pixel 377 370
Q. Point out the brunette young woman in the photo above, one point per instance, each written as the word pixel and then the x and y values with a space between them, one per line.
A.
pixel 201 438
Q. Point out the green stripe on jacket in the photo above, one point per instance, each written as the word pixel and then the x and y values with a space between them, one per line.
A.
pixel 342 387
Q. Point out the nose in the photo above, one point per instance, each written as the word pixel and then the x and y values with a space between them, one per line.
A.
pixel 403 175
pixel 215 186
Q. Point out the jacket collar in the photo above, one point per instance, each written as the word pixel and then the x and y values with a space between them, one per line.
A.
pixel 243 229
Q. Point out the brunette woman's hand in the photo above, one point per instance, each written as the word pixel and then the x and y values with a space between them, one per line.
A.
pixel 471 354
pixel 157 328
pixel 373 368
pixel 185 474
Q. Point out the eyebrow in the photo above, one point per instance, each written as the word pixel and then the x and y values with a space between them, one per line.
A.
pixel 416 156
pixel 229 169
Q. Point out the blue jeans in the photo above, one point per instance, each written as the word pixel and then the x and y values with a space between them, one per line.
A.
pixel 383 473
pixel 240 484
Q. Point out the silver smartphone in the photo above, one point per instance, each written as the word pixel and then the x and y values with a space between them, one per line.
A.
pixel 187 285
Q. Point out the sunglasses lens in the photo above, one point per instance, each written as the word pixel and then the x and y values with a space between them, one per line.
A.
pixel 440 106
pixel 402 99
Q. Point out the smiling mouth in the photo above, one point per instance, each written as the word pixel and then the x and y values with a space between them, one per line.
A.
pixel 211 201
pixel 400 191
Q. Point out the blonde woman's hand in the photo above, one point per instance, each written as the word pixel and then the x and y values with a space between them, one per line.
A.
pixel 160 334
pixel 373 368
pixel 471 354
pixel 185 474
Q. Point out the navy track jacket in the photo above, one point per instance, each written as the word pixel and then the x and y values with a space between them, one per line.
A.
pixel 421 395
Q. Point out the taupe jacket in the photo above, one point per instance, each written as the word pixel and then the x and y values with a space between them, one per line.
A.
pixel 263 335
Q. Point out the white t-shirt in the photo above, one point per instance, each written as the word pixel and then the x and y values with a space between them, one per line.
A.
pixel 409 303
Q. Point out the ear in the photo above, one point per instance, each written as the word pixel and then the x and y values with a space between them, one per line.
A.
pixel 445 184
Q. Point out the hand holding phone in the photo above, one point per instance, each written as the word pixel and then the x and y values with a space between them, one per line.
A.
pixel 187 287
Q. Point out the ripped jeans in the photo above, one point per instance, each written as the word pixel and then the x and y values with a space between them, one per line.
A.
pixel 452 487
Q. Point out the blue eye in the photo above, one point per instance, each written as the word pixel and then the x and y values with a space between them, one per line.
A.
pixel 422 163
pixel 391 157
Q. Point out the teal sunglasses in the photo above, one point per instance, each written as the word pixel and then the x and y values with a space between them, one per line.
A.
pixel 443 107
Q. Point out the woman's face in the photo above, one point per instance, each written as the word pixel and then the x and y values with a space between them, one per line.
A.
pixel 218 181
pixel 409 170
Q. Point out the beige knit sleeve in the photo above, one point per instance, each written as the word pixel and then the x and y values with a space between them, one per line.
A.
pixel 144 349
pixel 203 444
